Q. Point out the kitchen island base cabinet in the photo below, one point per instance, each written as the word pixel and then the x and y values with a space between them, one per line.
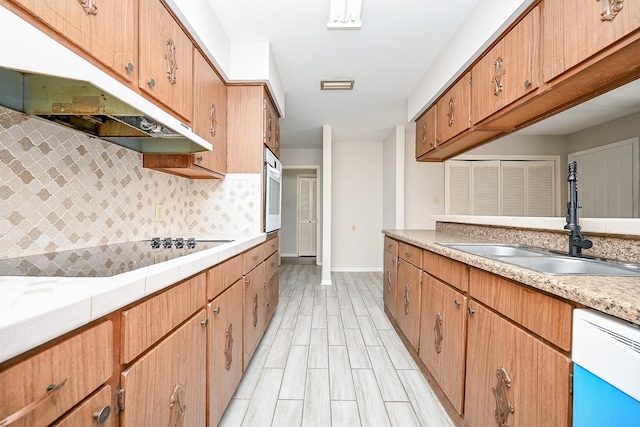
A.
pixel 225 350
pixel 253 323
pixel 167 385
pixel 390 279
pixel 506 365
pixel 95 411
pixel 408 301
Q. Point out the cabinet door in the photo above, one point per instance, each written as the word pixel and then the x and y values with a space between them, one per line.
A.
pixel 574 30
pixel 271 292
pixel 210 114
pixel 59 377
pixel 443 337
pixel 167 386
pixel 108 32
pixel 390 283
pixel 95 411
pixel 509 70
pixel 253 324
pixel 166 58
pixel 453 110
pixel 426 132
pixel 225 350
pixel 506 365
pixel 408 301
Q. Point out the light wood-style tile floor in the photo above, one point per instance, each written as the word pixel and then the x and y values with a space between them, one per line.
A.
pixel 330 357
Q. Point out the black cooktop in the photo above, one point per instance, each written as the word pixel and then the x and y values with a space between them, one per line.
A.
pixel 105 260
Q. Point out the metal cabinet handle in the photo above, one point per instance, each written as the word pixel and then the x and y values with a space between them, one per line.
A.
pixel 228 346
pixel 450 113
pixel 247 280
pixel 102 415
pixel 129 67
pixel 152 83
pixel 213 122
pixel 205 322
pixel 437 343
pixel 255 310
pixel 406 299
pixel 470 310
pixel 199 158
pixel 497 76
pixel 51 390
pixel 527 83
pixel 216 310
pixel 456 303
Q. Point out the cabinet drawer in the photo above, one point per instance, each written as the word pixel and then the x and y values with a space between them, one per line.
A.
pixel 546 316
pixel 391 245
pixel 149 321
pixel 452 272
pixel 270 246
pixel 410 254
pixel 79 365
pixel 252 258
pixel 88 413
pixel 271 266
pixel 223 275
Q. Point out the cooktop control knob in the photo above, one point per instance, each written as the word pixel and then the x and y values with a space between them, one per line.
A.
pixel 167 242
pixel 155 242
pixel 179 243
pixel 191 242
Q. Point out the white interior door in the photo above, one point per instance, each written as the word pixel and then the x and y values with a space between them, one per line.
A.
pixel 607 180
pixel 307 215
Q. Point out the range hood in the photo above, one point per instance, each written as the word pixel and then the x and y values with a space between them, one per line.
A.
pixel 42 78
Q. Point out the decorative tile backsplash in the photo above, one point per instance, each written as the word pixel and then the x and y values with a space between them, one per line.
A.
pixel 61 189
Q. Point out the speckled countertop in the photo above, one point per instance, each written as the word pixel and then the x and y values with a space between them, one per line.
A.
pixel 614 295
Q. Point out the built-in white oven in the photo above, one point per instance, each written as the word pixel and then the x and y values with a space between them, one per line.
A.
pixel 272 192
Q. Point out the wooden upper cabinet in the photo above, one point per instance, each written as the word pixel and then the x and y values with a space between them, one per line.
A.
pixel 166 58
pixel 453 110
pixel 509 70
pixel 245 126
pixel 108 33
pixel 426 132
pixel 574 30
pixel 210 114
pixel 271 133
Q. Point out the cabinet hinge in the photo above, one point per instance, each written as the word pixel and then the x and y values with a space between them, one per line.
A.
pixel 119 400
pixel 470 79
pixel 570 383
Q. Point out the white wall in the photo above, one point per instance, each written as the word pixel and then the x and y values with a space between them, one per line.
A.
pixel 357 200
pixel 424 182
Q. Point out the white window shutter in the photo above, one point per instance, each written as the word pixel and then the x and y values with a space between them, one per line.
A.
pixel 458 184
pixel 513 180
pixel 541 194
pixel 486 188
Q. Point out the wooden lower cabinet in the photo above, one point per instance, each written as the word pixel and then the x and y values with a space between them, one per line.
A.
pixel 271 292
pixel 95 411
pixel 443 332
pixel 506 365
pixel 167 385
pixel 253 324
pixel 225 350
pixel 408 301
pixel 390 283
pixel 60 376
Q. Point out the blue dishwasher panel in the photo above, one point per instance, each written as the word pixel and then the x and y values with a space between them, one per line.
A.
pixel 596 403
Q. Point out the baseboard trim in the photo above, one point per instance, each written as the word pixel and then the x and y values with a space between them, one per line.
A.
pixel 357 270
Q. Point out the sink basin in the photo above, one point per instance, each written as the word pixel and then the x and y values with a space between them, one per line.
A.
pixel 544 261
pixel 560 264
pixel 496 249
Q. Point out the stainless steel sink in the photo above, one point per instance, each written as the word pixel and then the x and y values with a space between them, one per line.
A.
pixel 495 249
pixel 561 264
pixel 545 261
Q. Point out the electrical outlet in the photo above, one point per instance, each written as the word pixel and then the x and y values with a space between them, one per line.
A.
pixel 436 199
pixel 353 227
pixel 159 213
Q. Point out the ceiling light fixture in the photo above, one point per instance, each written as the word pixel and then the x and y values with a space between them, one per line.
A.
pixel 337 84
pixel 345 14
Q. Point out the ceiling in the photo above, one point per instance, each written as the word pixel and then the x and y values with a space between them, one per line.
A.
pixel 388 57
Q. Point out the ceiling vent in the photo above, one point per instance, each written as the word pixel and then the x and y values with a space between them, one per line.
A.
pixel 337 84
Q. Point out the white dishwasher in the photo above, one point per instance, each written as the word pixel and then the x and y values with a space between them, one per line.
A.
pixel 606 371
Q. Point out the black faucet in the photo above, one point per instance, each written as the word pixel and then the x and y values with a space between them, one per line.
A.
pixel 577 242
